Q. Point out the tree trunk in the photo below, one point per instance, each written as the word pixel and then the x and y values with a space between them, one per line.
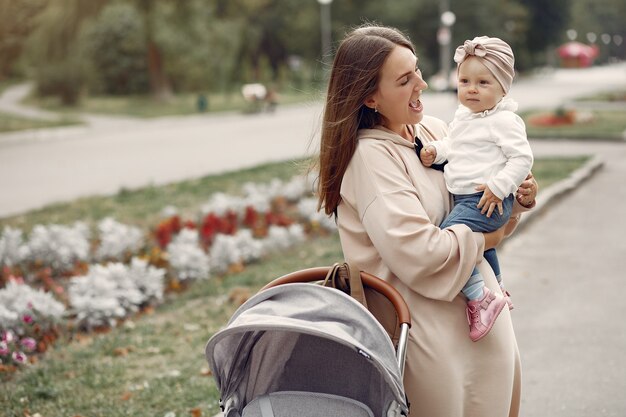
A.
pixel 159 83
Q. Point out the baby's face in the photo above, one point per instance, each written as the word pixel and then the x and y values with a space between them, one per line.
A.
pixel 478 89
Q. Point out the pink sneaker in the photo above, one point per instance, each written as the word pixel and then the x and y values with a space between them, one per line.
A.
pixel 481 314
pixel 507 297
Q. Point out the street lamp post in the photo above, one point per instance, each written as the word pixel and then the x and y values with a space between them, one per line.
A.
pixel 444 37
pixel 325 29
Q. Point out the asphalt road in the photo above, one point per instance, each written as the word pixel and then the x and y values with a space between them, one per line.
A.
pixel 44 166
pixel 566 272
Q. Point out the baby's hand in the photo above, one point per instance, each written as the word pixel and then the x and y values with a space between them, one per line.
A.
pixel 489 201
pixel 427 155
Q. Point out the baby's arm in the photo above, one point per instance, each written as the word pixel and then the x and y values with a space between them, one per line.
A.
pixel 428 155
pixel 510 133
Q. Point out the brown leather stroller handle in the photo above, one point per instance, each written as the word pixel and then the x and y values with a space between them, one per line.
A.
pixel 369 280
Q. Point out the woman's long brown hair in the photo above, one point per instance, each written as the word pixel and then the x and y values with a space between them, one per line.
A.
pixel 354 77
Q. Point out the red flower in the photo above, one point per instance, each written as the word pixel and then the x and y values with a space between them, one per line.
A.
pixel 251 217
pixel 166 229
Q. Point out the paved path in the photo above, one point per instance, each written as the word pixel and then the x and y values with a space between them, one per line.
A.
pixel 10 102
pixel 43 166
pixel 566 271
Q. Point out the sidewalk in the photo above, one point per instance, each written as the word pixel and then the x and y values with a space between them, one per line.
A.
pixel 10 103
pixel 565 270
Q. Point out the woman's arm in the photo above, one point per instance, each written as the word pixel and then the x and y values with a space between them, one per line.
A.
pixel 524 201
pixel 493 239
pixel 433 262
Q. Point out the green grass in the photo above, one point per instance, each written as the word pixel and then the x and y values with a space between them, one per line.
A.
pixel 142 207
pixel 10 123
pixel 605 125
pixel 145 106
pixel 547 171
pixel 142 106
pixel 153 364
pixel 606 122
pixel 610 96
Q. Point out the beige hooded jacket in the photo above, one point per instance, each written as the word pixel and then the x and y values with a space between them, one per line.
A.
pixel 387 219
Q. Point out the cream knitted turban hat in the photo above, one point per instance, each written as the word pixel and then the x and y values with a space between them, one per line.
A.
pixel 494 53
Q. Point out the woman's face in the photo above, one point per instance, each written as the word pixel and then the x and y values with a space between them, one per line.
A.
pixel 399 89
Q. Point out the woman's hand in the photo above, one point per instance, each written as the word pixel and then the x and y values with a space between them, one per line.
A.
pixel 527 191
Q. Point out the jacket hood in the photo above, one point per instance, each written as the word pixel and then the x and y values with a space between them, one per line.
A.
pixel 382 133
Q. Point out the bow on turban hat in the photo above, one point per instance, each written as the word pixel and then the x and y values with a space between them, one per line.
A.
pixel 494 53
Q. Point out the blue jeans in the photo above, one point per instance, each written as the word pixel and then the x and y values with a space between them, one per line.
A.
pixel 466 212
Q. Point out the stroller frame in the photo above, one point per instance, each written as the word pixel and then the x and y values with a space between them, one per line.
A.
pixel 342 317
pixel 369 281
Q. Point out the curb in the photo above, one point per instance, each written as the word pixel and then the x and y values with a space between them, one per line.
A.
pixel 560 188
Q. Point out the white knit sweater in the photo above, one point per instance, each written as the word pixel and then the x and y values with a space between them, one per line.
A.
pixel 486 148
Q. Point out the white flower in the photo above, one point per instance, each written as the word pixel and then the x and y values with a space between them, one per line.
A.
pixel 221 203
pixel 224 253
pixel 281 238
pixel 307 207
pixel 18 300
pixel 275 188
pixel 256 198
pixel 187 260
pixel 149 280
pixel 270 191
pixel 12 248
pixel 59 246
pixel 186 237
pixel 251 249
pixel 117 240
pixel 8 318
pixel 296 188
pixel 112 291
pixel 169 211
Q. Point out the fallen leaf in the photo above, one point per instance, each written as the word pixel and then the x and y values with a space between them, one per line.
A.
pixel 239 295
pixel 120 351
pixel 196 412
pixel 126 396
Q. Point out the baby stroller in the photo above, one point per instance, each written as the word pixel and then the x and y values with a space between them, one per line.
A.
pixel 298 348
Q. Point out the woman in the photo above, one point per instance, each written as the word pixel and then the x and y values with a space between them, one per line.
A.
pixel 388 206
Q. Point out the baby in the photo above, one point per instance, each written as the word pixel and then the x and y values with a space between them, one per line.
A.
pixel 486 156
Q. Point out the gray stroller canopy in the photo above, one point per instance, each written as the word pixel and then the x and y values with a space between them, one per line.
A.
pixel 305 337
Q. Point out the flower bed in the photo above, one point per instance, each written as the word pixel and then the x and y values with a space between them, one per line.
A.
pixel 72 277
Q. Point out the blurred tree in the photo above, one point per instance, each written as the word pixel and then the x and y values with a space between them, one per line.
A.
pixel 505 19
pixel 547 21
pixel 208 45
pixel 270 31
pixel 159 82
pixel 600 17
pixel 16 24
pixel 114 44
pixel 200 50
pixel 52 47
pixel 53 50
pixel 57 28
